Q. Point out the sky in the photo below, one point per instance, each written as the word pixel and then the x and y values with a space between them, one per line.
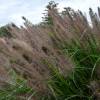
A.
pixel 13 10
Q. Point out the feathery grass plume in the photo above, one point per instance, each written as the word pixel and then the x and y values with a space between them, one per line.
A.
pixel 82 46
pixel 69 47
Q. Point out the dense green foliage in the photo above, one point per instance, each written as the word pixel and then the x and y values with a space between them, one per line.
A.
pixel 4 32
pixel 16 89
pixel 76 85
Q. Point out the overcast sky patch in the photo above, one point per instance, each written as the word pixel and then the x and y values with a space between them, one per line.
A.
pixel 12 10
